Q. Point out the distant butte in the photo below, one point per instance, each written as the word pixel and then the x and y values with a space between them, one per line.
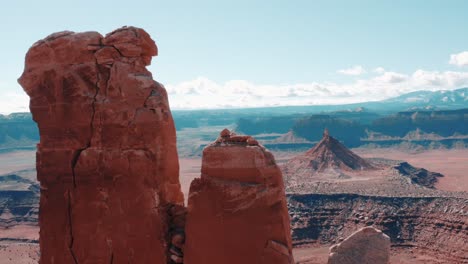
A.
pixel 328 155
pixel 330 161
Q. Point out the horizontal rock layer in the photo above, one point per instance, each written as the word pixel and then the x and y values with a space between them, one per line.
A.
pixel 439 225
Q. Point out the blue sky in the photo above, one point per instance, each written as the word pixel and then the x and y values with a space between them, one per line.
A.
pixel 253 47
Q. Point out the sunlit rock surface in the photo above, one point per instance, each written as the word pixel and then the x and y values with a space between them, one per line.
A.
pixel 237 210
pixel 107 160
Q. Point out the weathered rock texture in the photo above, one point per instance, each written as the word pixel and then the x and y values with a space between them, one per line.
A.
pixel 107 160
pixel 419 176
pixel 368 245
pixel 435 224
pixel 237 210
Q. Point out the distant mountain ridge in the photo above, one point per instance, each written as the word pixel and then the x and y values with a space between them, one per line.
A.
pixel 421 100
pixel 442 99
pixel 426 129
pixel 459 96
pixel 434 114
pixel 18 130
pixel 443 122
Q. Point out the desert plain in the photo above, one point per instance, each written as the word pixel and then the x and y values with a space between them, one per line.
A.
pixel 19 244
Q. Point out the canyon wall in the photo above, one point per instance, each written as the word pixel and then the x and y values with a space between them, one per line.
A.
pixel 19 201
pixel 107 160
pixel 438 224
pixel 237 211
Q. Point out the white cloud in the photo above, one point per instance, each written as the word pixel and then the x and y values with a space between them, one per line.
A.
pixel 459 59
pixel 11 102
pixel 391 77
pixel 379 70
pixel 240 93
pixel 203 93
pixel 440 79
pixel 355 70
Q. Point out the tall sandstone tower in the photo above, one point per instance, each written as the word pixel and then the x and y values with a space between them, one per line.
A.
pixel 107 159
pixel 237 211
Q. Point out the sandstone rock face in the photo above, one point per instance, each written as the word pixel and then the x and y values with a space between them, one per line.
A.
pixel 237 210
pixel 107 160
pixel 366 246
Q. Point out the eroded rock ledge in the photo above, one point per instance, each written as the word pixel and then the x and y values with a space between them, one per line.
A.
pixel 107 160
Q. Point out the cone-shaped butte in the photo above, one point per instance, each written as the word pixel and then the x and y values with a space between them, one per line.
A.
pixel 107 160
pixel 237 210
pixel 327 160
pixel 330 153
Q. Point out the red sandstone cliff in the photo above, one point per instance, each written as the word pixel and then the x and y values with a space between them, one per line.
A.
pixel 107 159
pixel 237 210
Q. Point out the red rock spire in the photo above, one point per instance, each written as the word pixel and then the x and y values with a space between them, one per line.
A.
pixel 237 210
pixel 326 134
pixel 107 159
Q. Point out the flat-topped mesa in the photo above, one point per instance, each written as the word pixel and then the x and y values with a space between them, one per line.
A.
pixel 237 211
pixel 107 159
